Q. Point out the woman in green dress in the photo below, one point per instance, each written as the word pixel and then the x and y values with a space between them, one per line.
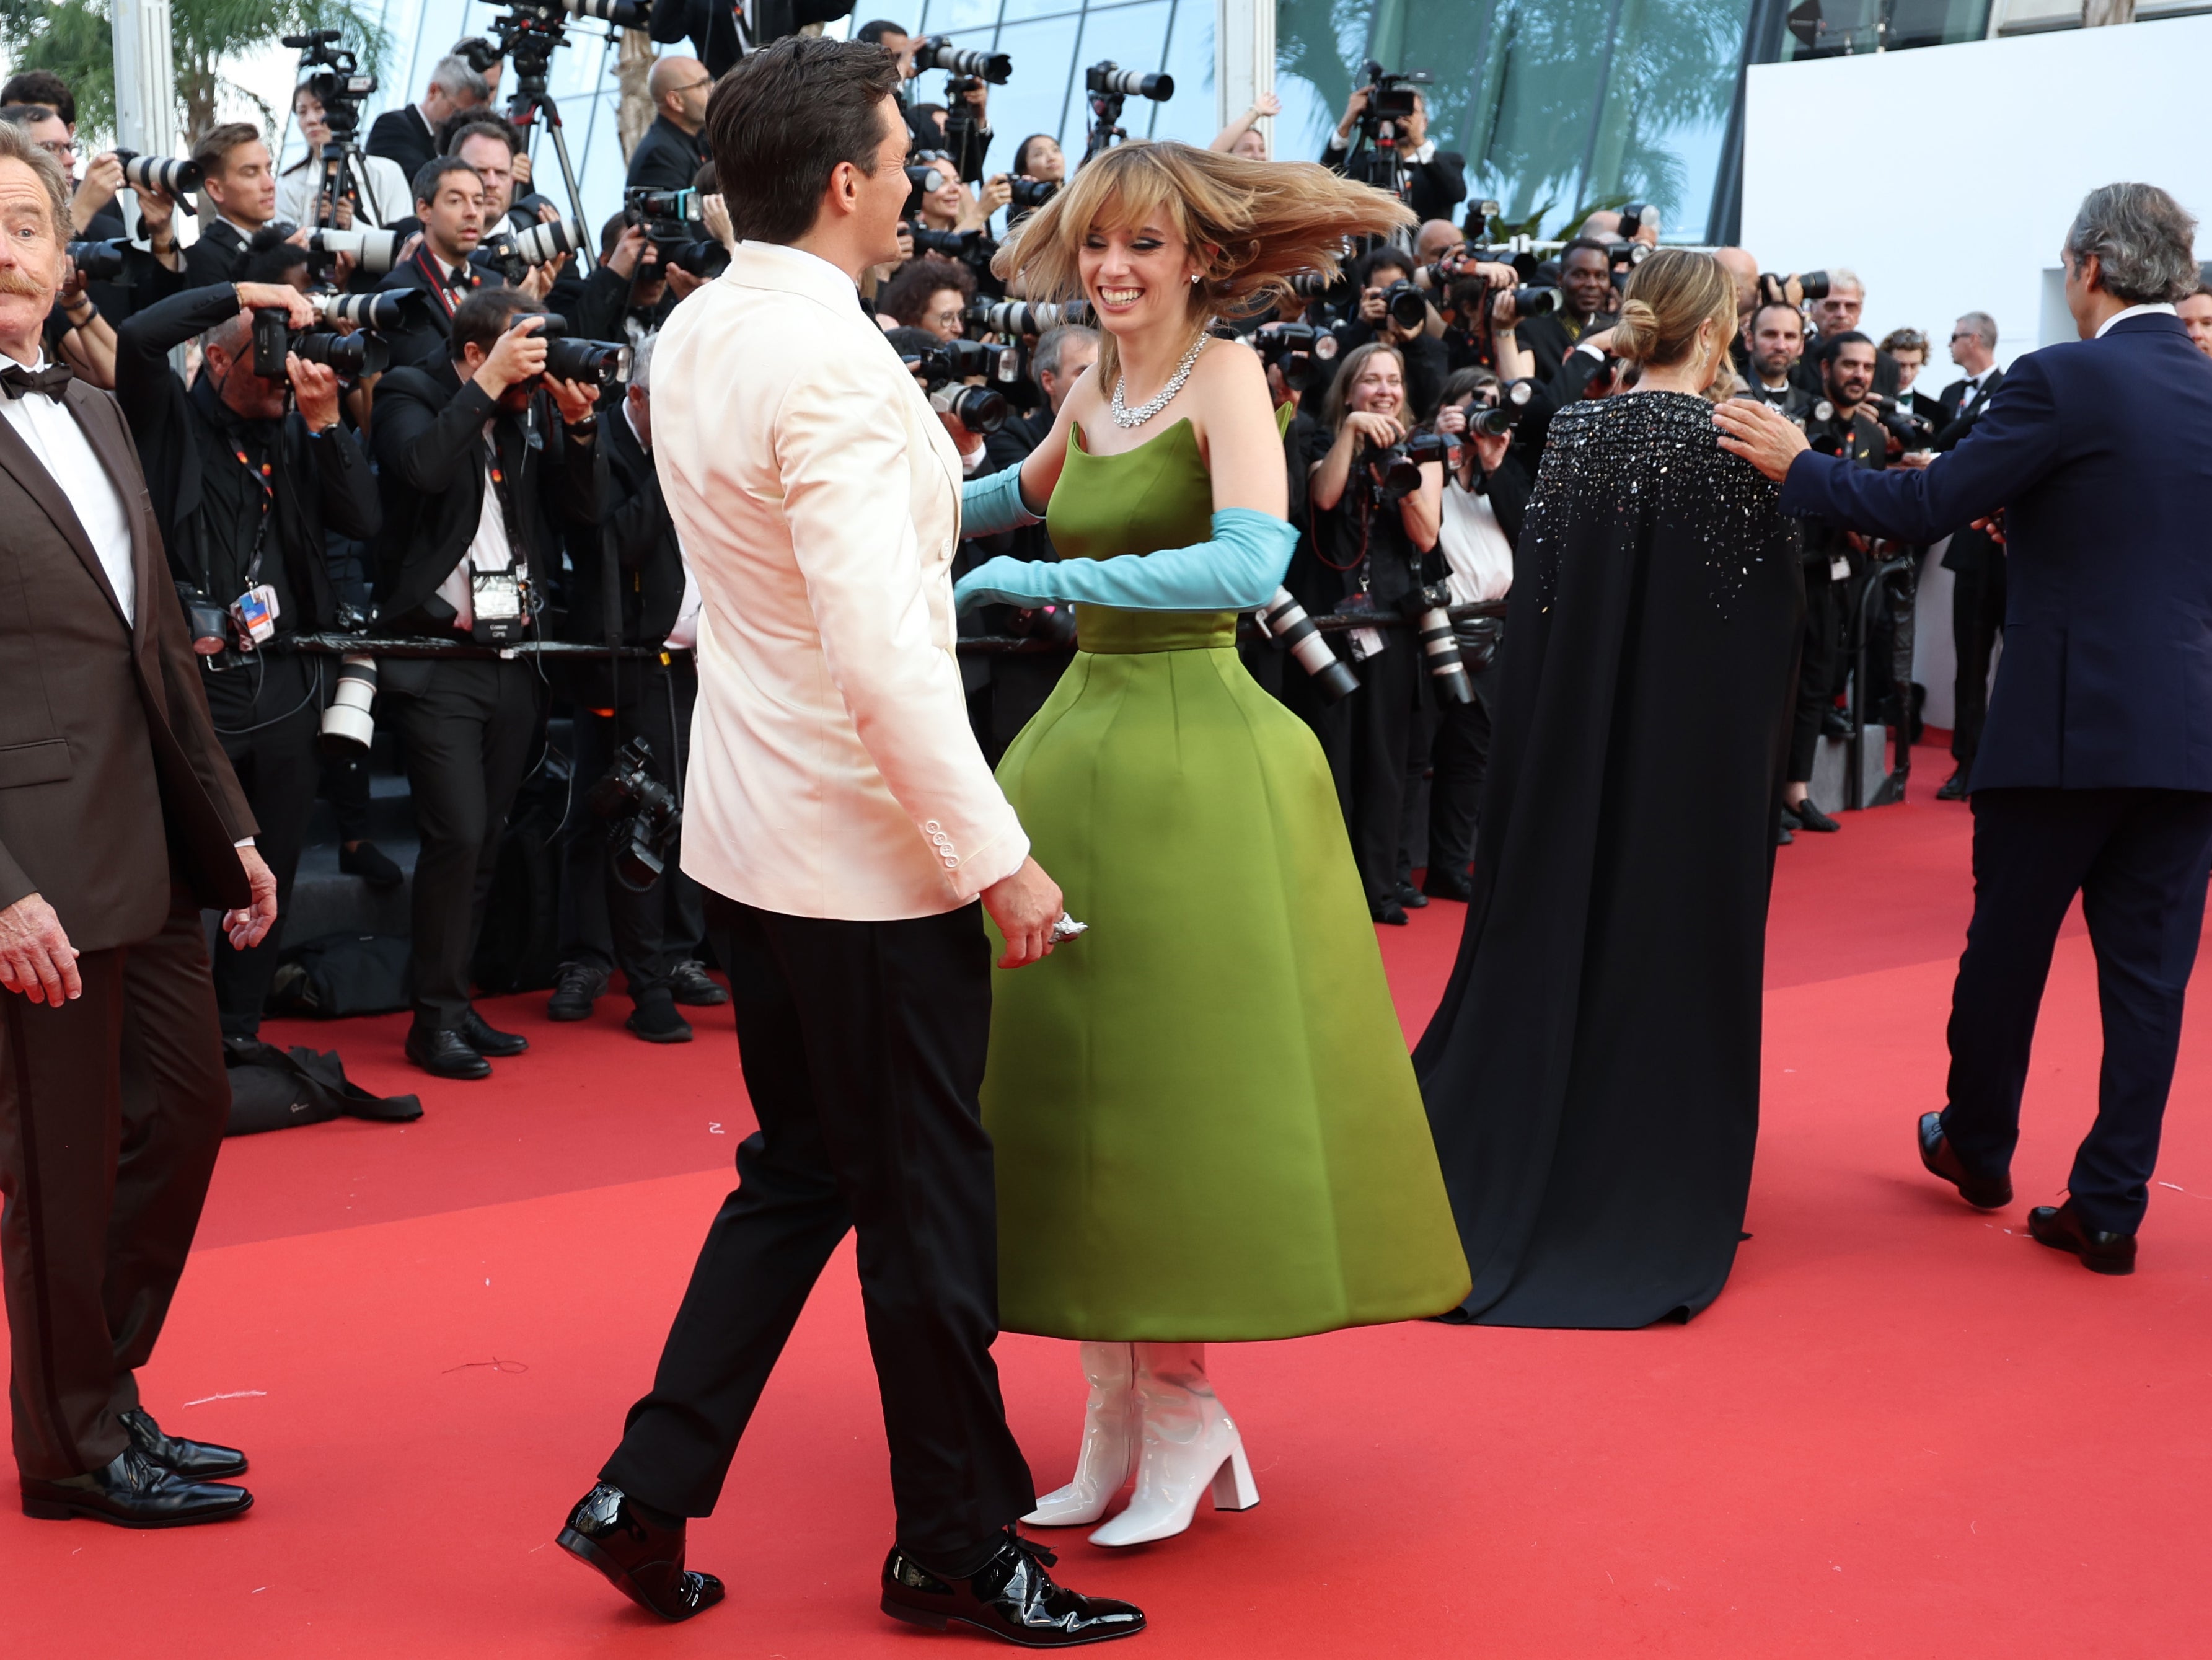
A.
pixel 1207 1124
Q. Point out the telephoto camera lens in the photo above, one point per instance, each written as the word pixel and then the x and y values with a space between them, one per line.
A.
pixel 926 179
pixel 173 179
pixel 623 13
pixel 1499 418
pixel 1107 77
pixel 1284 621
pixel 1814 284
pixel 1021 316
pixel 541 242
pixel 348 728
pixel 1430 607
pixel 938 52
pixel 1534 302
pixel 1032 193
pixel 1407 306
pixel 1632 220
pixel 98 262
pixel 374 252
pixel 349 354
pixel 593 363
pixel 387 310
pixel 979 409
pixel 1310 284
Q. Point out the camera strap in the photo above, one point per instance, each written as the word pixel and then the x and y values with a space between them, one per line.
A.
pixel 261 475
pixel 439 287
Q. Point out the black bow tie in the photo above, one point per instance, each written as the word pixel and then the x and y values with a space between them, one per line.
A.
pixel 52 381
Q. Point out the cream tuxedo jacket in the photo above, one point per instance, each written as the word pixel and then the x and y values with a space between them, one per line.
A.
pixel 833 773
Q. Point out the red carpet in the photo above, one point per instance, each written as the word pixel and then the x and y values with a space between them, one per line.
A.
pixel 1904 1430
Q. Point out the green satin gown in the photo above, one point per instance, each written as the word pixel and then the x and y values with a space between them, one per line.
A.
pixel 1207 1124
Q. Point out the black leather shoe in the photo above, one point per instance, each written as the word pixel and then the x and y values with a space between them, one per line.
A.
pixel 1809 816
pixel 1447 884
pixel 1012 1598
pixel 196 1460
pixel 576 987
pixel 657 1021
pixel 1982 1192
pixel 444 1054
pixel 694 988
pixel 1390 911
pixel 642 1560
pixel 134 1491
pixel 2061 1228
pixel 372 863
pixel 499 1045
pixel 1412 897
pixel 1834 723
pixel 1953 788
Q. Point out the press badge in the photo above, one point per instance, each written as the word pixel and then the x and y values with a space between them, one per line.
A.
pixel 496 599
pixel 254 615
pixel 1838 567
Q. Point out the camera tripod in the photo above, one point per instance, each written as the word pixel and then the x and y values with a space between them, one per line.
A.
pixel 530 52
pixel 1106 123
pixel 344 176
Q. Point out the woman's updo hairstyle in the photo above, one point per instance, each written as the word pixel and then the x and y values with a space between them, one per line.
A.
pixel 1669 295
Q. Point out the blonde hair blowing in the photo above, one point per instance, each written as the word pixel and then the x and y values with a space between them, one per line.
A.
pixel 1669 295
pixel 1255 224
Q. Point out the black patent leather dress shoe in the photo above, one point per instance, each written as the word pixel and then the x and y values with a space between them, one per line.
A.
pixel 132 1490
pixel 445 1055
pixel 1412 897
pixel 499 1045
pixel 1011 1597
pixel 1447 885
pixel 2062 1228
pixel 1936 1153
pixel 694 988
pixel 642 1560
pixel 1953 788
pixel 196 1460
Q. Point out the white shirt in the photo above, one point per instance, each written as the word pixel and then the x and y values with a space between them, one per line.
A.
pixel 489 550
pixel 386 194
pixel 2134 311
pixel 1475 547
pixel 52 434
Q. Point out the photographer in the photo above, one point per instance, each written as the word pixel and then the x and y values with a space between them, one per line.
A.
pixel 492 147
pixel 628 591
pixel 1370 554
pixel 929 294
pixel 381 198
pixel 1479 527
pixel 1587 298
pixel 1384 279
pixel 1832 558
pixel 670 154
pixel 1975 559
pixel 477 455
pixel 245 494
pixel 408 136
pixel 1776 338
pixel 240 183
pixel 629 294
pixel 449 202
pixel 1435 180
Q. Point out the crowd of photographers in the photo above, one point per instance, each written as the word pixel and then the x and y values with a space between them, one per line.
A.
pixel 388 392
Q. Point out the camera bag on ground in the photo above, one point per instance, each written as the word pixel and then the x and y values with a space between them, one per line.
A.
pixel 274 1089
pixel 520 949
pixel 338 975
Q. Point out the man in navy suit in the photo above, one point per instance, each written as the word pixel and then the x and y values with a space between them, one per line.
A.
pixel 2095 774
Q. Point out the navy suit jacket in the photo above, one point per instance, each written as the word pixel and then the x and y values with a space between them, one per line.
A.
pixel 2100 452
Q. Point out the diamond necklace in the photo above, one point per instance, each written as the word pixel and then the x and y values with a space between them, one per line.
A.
pixel 1124 416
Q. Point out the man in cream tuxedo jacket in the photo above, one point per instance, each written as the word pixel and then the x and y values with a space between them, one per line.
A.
pixel 845 826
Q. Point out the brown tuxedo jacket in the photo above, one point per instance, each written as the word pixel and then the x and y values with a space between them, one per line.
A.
pixel 112 783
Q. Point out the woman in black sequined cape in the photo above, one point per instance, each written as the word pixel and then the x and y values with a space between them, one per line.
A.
pixel 1592 1073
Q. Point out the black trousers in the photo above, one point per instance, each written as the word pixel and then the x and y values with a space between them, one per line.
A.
pixel 1978 609
pixel 863 1048
pixel 1820 667
pixel 602 921
pixel 2138 858
pixel 1458 757
pixel 469 729
pixel 267 712
pixel 111 1108
pixel 1368 738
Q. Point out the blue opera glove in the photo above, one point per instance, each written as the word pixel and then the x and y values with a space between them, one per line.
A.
pixel 992 506
pixel 1241 567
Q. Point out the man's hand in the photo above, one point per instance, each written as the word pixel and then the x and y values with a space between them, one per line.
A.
pixel 1766 437
pixel 630 248
pixel 1372 310
pixel 965 441
pixel 573 398
pixel 1993 527
pixel 682 284
pixel 1378 429
pixel 97 189
pixel 248 927
pixel 1024 905
pixel 263 296
pixel 997 194
pixel 315 387
pixel 517 355
pixel 521 169
pixel 37 959
pixel 1353 108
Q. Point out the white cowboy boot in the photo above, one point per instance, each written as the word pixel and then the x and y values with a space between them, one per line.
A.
pixel 1110 1441
pixel 1189 1444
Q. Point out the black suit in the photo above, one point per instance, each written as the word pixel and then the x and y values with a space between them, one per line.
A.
pixel 422 341
pixel 217 257
pixel 469 725
pixel 1433 187
pixel 404 137
pixel 1551 336
pixel 666 158
pixel 1977 562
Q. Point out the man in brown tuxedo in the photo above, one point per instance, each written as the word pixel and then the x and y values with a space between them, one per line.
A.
pixel 118 819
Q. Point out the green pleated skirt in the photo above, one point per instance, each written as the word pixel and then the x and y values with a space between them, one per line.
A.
pixel 1206 1122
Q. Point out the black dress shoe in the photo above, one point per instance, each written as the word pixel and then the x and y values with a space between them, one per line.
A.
pixel 196 1460
pixel 1388 910
pixel 1936 1153
pixel 444 1054
pixel 643 1560
pixel 2062 1229
pixel 1809 816
pixel 576 986
pixel 1441 884
pixel 657 1021
pixel 694 988
pixel 1011 1597
pixel 1953 788
pixel 499 1045
pixel 372 863
pixel 1834 723
pixel 1412 897
pixel 132 1490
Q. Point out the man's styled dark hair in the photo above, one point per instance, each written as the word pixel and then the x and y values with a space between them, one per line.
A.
pixel 41 87
pixel 1588 242
pixel 782 120
pixel 1833 344
pixel 1764 307
pixel 481 319
pixel 1385 257
pixel 213 152
pixel 432 174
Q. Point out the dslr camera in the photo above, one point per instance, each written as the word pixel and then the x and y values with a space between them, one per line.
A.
pixel 979 409
pixel 1495 420
pixel 374 252
pixel 178 180
pixel 1406 305
pixel 1015 317
pixel 972 248
pixel 642 816
pixel 1110 80
pixel 338 83
pixel 350 355
pixel 1401 465
pixel 1913 430
pixel 1295 348
pixel 590 363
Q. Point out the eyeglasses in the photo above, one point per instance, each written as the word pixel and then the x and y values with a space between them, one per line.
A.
pixel 57 148
pixel 1964 334
pixel 947 318
pixel 693 86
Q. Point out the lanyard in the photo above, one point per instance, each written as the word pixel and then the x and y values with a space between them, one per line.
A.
pixel 260 475
pixel 430 269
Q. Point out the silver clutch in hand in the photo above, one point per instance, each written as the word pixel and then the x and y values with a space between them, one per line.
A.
pixel 1065 927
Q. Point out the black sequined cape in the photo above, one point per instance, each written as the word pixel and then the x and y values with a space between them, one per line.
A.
pixel 1592 1075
